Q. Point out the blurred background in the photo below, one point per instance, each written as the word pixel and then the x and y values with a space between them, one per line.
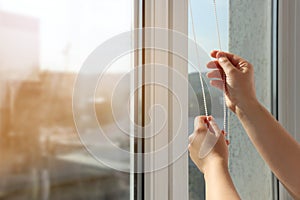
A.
pixel 43 45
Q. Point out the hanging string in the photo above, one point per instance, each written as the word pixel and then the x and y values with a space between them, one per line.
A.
pixel 198 60
pixel 225 124
pixel 224 75
pixel 217 24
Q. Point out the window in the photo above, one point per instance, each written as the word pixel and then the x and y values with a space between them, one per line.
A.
pixel 251 39
pixel 43 46
pixel 207 38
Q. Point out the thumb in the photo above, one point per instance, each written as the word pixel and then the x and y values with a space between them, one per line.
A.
pixel 225 63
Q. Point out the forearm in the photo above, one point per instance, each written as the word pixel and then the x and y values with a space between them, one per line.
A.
pixel 219 184
pixel 276 146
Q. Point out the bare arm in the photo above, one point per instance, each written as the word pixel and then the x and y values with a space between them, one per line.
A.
pixel 214 166
pixel 218 183
pixel 280 151
pixel 274 143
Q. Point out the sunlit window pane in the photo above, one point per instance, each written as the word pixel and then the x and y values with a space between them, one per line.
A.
pixel 43 46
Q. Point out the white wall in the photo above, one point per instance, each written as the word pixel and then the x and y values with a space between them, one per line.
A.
pixel 250 37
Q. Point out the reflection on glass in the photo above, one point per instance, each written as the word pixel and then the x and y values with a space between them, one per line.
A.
pixel 43 44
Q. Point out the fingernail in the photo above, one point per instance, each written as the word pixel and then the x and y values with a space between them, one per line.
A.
pixel 227 142
pixel 224 133
pixel 222 59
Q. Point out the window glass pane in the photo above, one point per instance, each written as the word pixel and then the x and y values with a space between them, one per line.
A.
pixel 207 38
pixel 43 45
pixel 250 39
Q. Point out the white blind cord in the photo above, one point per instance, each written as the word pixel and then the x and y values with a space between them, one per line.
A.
pixel 225 124
pixel 198 60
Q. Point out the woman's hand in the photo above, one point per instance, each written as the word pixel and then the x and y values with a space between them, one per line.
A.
pixel 218 155
pixel 218 183
pixel 276 146
pixel 239 76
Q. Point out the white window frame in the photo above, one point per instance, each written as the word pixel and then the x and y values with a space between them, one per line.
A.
pixel 170 182
pixel 288 71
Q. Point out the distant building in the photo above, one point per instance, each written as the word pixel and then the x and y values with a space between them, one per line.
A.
pixel 45 103
pixel 19 59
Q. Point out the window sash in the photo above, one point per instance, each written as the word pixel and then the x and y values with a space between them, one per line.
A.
pixel 170 182
pixel 288 51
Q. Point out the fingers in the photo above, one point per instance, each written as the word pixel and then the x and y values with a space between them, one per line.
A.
pixel 217 73
pixel 214 53
pixel 200 127
pixel 218 84
pixel 200 124
pixel 234 59
pixel 225 61
pixel 227 66
pixel 213 65
pixel 214 74
pixel 191 138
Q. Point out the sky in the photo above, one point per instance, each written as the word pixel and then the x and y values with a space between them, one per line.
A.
pixel 206 29
pixel 71 29
pixel 205 23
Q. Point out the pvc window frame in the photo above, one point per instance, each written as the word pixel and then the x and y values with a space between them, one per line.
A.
pixel 288 71
pixel 170 182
